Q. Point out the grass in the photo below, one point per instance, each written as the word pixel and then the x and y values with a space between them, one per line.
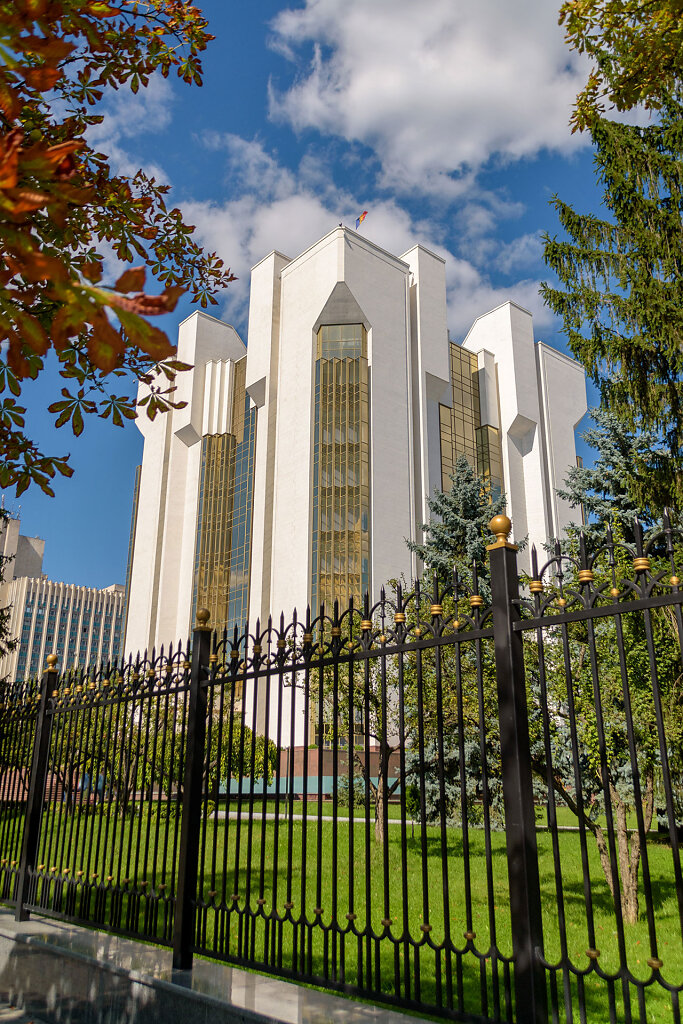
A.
pixel 253 862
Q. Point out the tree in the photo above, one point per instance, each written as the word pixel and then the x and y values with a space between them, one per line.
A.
pixel 606 490
pixel 613 781
pixel 8 643
pixel 620 291
pixel 458 530
pixel 456 539
pixel 363 702
pixel 61 204
pixel 637 49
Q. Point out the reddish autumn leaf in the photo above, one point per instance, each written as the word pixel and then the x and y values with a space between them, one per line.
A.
pixel 10 150
pixel 92 271
pixel 50 265
pixel 10 101
pixel 149 305
pixel 23 201
pixel 32 332
pixel 65 325
pixel 131 280
pixel 39 266
pixel 105 344
pixel 41 78
pixel 53 156
pixel 50 49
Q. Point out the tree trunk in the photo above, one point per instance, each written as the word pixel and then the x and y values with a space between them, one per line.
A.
pixel 380 797
pixel 628 850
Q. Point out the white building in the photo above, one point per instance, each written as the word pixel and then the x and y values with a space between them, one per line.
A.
pixel 303 461
pixel 83 626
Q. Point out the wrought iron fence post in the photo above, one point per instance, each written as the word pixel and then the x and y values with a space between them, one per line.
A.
pixel 518 797
pixel 36 789
pixel 195 740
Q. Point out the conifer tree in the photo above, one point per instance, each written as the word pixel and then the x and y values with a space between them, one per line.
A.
pixel 607 491
pixel 458 529
pixel 636 52
pixel 620 291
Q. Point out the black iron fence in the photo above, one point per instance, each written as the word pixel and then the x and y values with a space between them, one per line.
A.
pixel 466 800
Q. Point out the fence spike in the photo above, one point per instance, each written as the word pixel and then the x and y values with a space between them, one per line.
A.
pixel 475 578
pixel 534 562
pixel 668 532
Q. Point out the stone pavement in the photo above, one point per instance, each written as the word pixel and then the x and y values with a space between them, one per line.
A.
pixel 64 974
pixel 11 1015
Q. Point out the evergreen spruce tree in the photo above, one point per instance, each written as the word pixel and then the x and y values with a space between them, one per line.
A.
pixel 608 490
pixel 620 291
pixel 458 529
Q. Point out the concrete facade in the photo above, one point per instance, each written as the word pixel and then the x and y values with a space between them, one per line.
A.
pixel 541 397
pixel 160 582
pixel 531 397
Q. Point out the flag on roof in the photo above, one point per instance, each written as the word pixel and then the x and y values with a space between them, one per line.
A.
pixel 359 220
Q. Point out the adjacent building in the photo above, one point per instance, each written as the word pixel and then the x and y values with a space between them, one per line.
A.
pixel 302 462
pixel 83 626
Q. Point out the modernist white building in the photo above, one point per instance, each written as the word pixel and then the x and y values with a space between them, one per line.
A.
pixel 83 626
pixel 303 460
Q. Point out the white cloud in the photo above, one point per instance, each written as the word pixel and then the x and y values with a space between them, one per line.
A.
pixel 435 89
pixel 272 207
pixel 525 251
pixel 128 116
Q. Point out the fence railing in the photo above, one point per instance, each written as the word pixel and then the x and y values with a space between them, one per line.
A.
pixel 465 800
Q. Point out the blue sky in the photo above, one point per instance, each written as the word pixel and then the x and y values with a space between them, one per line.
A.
pixel 446 120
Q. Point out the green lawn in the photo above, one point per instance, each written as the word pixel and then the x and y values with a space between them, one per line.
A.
pixel 340 879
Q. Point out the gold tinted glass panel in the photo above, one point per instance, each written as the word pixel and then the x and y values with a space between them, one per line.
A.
pixel 460 427
pixel 341 491
pixel 489 460
pixel 459 424
pixel 223 548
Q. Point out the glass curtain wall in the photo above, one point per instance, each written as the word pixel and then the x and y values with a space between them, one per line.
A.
pixel 461 430
pixel 341 490
pixel 223 548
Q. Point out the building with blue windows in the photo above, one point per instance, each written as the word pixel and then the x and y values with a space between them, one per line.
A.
pixel 83 626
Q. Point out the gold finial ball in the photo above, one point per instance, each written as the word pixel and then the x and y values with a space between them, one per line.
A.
pixel 500 526
pixel 51 661
pixel 203 616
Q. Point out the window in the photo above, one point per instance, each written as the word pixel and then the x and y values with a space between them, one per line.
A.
pixel 223 543
pixel 340 538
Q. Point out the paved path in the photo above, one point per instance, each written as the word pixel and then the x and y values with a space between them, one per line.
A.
pixel 11 1015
